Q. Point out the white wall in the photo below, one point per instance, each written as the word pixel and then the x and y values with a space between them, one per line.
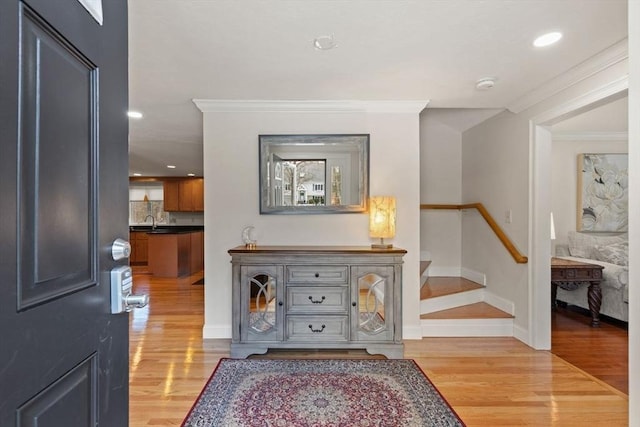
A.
pixel 564 179
pixel 231 197
pixel 634 212
pixel 495 158
pixel 440 183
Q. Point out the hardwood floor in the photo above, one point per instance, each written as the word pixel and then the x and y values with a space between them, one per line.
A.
pixel 488 381
pixel 602 352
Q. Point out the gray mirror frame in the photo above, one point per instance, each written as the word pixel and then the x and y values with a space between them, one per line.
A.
pixel 265 141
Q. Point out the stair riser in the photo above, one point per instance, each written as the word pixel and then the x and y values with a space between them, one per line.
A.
pixel 446 302
pixel 467 327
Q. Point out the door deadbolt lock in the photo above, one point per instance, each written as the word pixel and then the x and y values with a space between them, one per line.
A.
pixel 122 300
pixel 120 249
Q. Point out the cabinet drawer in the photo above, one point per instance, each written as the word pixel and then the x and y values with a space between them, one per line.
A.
pixel 317 328
pixel 326 274
pixel 317 299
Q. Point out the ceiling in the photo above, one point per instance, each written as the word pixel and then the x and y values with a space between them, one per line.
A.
pixel 433 50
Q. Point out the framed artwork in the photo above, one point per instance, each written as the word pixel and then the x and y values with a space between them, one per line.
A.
pixel 603 193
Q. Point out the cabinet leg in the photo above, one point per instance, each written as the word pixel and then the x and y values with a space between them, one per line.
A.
pixel 242 351
pixel 390 351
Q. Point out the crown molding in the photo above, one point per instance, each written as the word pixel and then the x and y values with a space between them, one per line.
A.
pixel 277 106
pixel 591 136
pixel 615 88
pixel 601 61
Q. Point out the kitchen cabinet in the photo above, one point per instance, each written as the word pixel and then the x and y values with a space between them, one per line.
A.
pixel 171 196
pixel 197 188
pixel 184 195
pixel 139 247
pixel 316 297
pixel 197 252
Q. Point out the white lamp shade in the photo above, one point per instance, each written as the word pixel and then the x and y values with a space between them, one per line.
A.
pixel 382 216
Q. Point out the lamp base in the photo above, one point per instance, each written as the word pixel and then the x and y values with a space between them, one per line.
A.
pixel 381 246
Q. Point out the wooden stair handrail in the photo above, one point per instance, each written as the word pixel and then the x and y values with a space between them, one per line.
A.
pixel 517 256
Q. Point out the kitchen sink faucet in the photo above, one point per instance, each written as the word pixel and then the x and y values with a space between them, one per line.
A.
pixel 153 221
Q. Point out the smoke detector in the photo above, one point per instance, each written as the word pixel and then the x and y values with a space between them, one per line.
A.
pixel 486 83
pixel 325 43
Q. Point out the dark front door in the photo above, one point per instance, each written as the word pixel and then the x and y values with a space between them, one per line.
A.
pixel 63 200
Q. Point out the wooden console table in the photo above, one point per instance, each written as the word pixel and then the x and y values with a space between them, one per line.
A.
pixel 570 275
pixel 317 297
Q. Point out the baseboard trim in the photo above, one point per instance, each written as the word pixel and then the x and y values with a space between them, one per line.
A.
pixel 522 334
pixel 474 276
pixel 214 332
pixel 411 332
pixel 499 302
pixel 439 271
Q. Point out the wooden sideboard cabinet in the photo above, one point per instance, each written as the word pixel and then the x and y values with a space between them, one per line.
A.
pixel 317 297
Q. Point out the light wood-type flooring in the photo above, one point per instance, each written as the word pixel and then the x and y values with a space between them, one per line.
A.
pixel 488 381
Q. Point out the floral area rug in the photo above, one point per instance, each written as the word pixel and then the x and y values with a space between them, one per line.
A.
pixel 320 393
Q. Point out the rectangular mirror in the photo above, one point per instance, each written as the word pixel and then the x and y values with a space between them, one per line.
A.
pixel 307 174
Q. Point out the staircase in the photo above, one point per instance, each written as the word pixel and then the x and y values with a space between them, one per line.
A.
pixel 459 307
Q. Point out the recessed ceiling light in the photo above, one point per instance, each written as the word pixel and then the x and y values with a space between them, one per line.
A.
pixel 171 166
pixel 191 174
pixel 137 174
pixel 547 39
pixel 134 114
pixel 324 43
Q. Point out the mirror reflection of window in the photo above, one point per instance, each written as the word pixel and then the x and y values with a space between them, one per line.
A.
pixel 308 178
pixel 336 185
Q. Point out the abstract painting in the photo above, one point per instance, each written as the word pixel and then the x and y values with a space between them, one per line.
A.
pixel 603 193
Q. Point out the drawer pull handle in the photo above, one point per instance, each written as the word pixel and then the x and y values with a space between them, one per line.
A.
pixel 280 303
pixel 354 304
pixel 316 330
pixel 317 301
pixel 317 275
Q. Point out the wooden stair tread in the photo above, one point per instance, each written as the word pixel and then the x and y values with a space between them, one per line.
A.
pixel 423 266
pixel 480 310
pixel 441 286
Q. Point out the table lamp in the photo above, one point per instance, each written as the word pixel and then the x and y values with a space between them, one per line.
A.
pixel 382 220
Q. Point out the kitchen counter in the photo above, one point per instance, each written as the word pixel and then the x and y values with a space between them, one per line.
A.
pixel 166 229
pixel 173 251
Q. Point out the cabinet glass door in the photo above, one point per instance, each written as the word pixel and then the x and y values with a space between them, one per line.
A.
pixel 373 295
pixel 261 296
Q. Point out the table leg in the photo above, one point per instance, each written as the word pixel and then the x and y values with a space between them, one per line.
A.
pixel 594 295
